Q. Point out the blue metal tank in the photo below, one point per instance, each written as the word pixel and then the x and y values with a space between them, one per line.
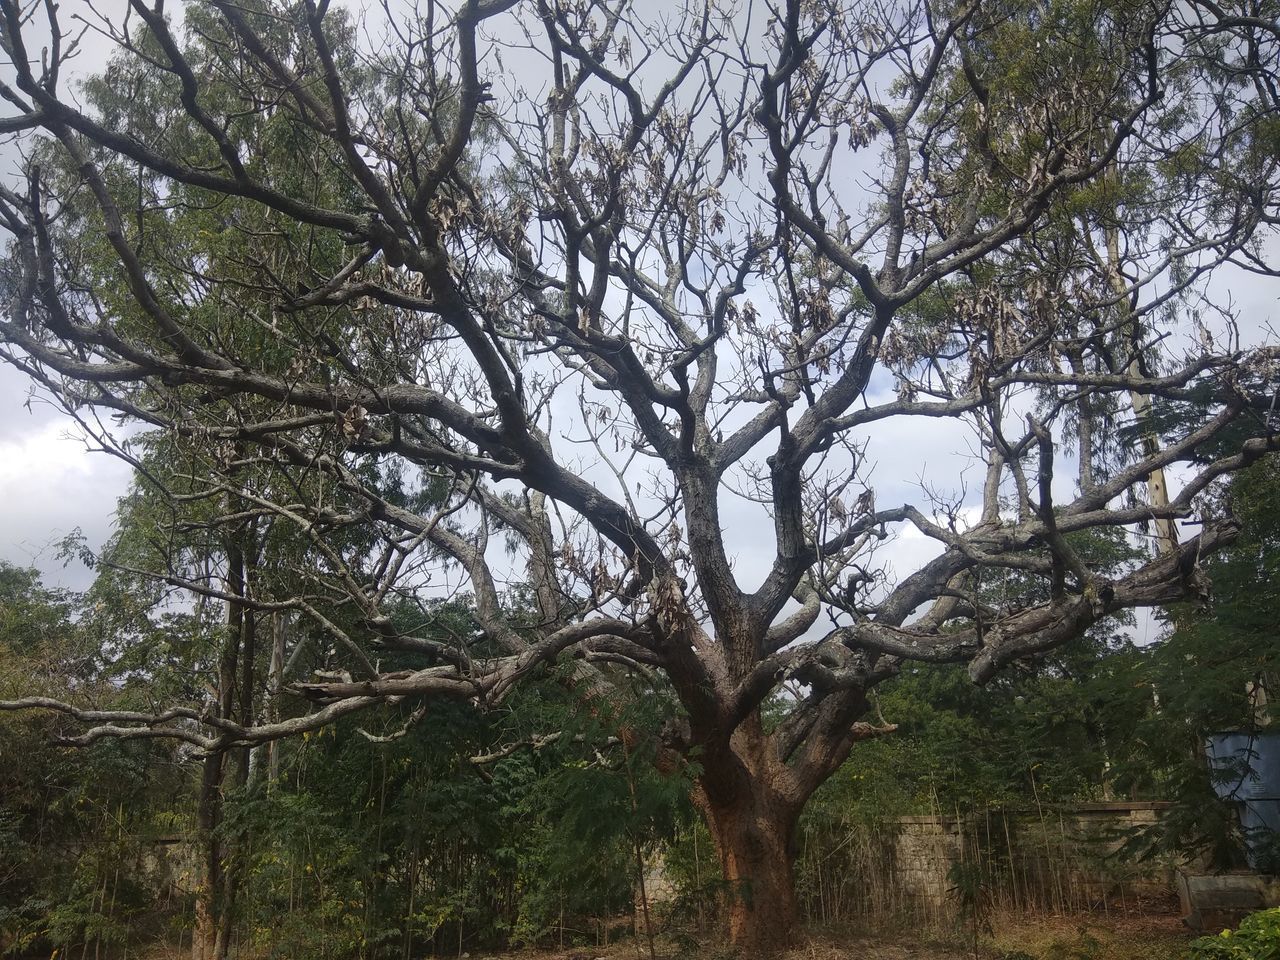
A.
pixel 1245 769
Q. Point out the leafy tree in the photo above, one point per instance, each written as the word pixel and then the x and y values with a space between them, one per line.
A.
pixel 597 319
pixel 75 824
pixel 1211 673
pixel 451 832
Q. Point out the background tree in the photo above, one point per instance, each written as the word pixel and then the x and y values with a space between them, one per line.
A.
pixel 75 825
pixel 1213 672
pixel 692 267
pixel 376 839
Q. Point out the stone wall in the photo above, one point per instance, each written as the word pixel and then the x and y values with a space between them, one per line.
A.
pixel 1062 859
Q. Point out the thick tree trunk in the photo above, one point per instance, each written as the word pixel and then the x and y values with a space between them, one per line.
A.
pixel 753 838
pixel 752 822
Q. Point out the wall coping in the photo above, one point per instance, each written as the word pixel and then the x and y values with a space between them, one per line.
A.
pixel 1100 806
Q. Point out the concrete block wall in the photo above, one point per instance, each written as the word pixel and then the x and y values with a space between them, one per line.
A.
pixel 1047 859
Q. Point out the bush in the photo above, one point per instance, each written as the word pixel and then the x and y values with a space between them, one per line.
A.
pixel 1258 938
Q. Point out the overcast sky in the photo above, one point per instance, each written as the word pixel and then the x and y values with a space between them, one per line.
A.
pixel 50 484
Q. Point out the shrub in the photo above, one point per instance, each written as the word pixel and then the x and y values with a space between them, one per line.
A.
pixel 1258 938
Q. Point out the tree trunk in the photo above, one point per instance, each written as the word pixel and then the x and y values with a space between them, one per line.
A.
pixel 1166 530
pixel 753 836
pixel 211 938
pixel 752 821
pixel 1157 489
pixel 274 683
pixel 204 936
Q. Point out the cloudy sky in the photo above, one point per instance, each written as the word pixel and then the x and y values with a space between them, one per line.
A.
pixel 50 484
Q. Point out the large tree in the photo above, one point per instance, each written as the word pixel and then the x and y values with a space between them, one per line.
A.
pixel 682 267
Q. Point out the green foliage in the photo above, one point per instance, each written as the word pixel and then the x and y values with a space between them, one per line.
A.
pixel 370 850
pixel 1035 738
pixel 1257 938
pixel 365 850
pixel 75 824
pixel 1204 670
pixel 1043 732
pixel 358 849
pixel 966 884
pixel 691 864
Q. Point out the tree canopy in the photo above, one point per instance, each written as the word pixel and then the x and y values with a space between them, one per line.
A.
pixel 529 303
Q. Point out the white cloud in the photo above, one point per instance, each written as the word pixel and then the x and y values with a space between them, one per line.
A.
pixel 50 485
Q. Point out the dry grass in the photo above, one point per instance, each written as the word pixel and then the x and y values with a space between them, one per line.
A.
pixel 1041 938
pixel 1091 938
pixel 1013 938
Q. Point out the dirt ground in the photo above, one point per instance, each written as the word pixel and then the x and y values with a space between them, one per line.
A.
pixel 1048 938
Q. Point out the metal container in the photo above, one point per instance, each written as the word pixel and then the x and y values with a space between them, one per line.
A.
pixel 1245 769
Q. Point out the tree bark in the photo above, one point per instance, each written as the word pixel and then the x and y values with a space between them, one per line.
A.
pixel 204 936
pixel 753 838
pixel 211 938
pixel 1166 530
pixel 743 795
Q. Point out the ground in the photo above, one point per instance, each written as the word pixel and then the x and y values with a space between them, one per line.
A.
pixel 1021 938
